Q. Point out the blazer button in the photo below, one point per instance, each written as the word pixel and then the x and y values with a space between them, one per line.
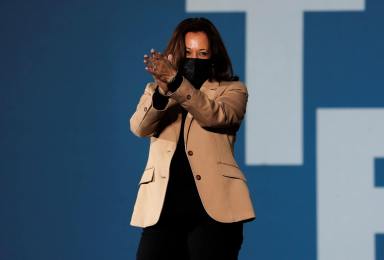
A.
pixel 190 153
pixel 188 96
pixel 198 177
pixel 145 109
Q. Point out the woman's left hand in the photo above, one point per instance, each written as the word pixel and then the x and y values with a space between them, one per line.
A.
pixel 160 67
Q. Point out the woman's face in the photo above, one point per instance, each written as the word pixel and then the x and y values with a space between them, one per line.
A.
pixel 197 45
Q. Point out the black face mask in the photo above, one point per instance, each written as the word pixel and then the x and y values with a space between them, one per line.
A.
pixel 196 71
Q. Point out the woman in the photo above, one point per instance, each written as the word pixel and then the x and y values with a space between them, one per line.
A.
pixel 193 198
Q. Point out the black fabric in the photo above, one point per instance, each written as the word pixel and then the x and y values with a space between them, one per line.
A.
pixel 159 101
pixel 196 70
pixel 175 84
pixel 182 199
pixel 202 239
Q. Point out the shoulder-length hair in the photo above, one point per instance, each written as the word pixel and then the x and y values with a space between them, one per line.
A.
pixel 221 63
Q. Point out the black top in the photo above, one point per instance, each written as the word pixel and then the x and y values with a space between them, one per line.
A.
pixel 182 201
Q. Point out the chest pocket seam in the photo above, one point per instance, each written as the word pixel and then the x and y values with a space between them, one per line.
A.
pixel 230 170
pixel 148 176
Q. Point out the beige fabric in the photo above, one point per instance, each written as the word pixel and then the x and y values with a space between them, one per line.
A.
pixel 215 113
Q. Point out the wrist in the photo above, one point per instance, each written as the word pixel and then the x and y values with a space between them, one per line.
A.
pixel 161 91
pixel 176 82
pixel 172 79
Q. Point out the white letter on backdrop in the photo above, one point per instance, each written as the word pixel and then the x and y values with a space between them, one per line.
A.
pixel 274 73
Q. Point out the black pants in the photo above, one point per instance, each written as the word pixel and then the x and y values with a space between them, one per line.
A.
pixel 199 239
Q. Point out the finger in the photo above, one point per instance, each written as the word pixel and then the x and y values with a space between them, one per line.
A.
pixel 152 62
pixel 148 64
pixel 146 58
pixel 151 65
pixel 149 59
pixel 157 60
pixel 158 54
pixel 153 52
pixel 151 69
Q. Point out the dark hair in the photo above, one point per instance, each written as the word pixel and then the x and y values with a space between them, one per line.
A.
pixel 221 64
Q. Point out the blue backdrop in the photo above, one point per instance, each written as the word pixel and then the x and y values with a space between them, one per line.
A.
pixel 70 78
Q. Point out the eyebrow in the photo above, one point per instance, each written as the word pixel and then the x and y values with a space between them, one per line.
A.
pixel 199 50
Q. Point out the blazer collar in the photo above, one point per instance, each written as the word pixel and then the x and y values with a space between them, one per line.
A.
pixel 207 85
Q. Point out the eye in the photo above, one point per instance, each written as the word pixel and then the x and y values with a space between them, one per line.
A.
pixel 204 53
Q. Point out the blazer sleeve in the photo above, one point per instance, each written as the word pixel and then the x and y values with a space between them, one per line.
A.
pixel 146 118
pixel 228 109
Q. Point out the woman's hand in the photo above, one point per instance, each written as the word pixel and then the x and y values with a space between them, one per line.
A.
pixel 161 68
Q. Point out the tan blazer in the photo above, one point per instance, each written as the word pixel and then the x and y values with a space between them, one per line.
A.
pixel 214 116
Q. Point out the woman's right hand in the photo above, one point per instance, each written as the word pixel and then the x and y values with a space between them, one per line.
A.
pixel 161 68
